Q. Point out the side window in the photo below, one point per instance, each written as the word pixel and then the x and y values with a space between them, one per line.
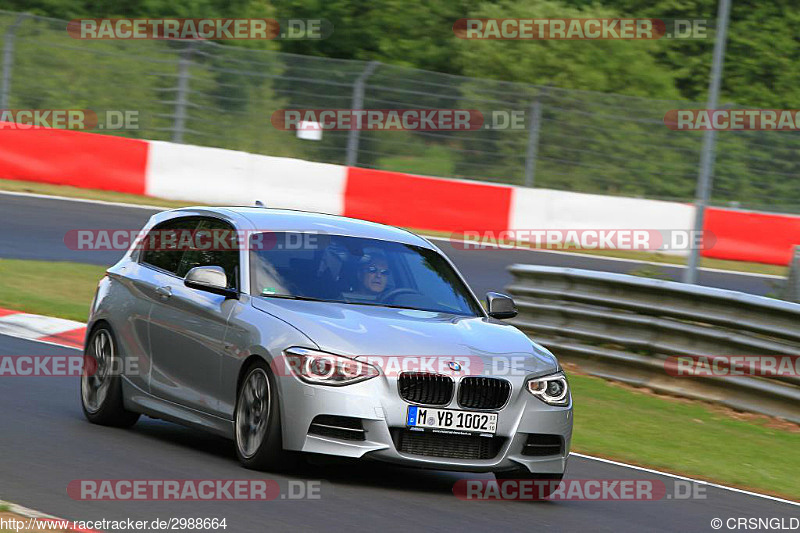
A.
pixel 161 249
pixel 219 248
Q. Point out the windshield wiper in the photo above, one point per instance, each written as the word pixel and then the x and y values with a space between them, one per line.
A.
pixel 312 299
pixel 392 306
pixel 346 302
pixel 294 297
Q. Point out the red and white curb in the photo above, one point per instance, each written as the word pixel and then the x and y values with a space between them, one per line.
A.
pixel 51 330
pixel 41 517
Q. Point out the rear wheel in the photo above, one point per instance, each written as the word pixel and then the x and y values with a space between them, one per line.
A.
pixel 101 384
pixel 548 482
pixel 258 435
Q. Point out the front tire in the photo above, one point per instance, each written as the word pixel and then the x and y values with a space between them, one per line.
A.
pixel 101 384
pixel 258 434
pixel 541 492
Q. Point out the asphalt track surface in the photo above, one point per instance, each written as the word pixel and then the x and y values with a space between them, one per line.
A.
pixel 34 228
pixel 45 442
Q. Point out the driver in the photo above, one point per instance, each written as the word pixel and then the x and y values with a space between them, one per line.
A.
pixel 374 275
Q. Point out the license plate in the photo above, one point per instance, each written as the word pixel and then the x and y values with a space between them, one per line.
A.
pixel 452 420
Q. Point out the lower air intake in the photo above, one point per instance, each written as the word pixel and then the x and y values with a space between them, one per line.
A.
pixel 337 427
pixel 541 444
pixel 448 446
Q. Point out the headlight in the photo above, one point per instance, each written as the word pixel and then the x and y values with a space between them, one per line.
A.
pixel 552 389
pixel 322 368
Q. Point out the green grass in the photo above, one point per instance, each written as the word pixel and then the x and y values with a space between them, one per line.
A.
pixel 611 421
pixel 436 161
pixel 685 437
pixel 49 288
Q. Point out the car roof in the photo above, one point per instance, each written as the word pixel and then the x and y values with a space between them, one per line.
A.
pixel 269 219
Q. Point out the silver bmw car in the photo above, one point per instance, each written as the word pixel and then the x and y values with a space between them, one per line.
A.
pixel 295 332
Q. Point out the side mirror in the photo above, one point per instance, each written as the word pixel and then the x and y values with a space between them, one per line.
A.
pixel 500 305
pixel 209 279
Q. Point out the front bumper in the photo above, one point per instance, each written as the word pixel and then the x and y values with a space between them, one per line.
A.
pixel 382 411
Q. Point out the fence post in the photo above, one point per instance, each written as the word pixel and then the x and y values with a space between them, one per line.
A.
pixel 358 103
pixel 793 279
pixel 182 92
pixel 8 60
pixel 533 142
pixel 707 156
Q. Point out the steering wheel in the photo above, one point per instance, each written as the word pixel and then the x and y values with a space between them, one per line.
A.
pixel 394 293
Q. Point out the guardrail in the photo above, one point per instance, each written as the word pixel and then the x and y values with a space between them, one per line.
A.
pixel 625 328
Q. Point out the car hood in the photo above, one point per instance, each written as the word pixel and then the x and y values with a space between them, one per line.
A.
pixel 364 331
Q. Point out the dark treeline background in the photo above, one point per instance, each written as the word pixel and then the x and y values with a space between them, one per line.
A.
pixel 760 65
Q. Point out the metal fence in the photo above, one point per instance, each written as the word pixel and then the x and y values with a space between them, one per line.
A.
pixel 627 328
pixel 224 96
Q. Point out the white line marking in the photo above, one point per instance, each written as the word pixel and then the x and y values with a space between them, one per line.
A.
pixel 684 478
pixel 83 200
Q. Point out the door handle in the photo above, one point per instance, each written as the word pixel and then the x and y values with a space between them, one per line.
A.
pixel 165 291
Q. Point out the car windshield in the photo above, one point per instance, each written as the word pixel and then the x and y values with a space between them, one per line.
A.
pixel 355 270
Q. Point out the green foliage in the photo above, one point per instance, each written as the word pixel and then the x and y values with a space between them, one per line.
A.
pixel 761 55
pixel 605 135
pixel 434 161
pixel 414 33
pixel 759 66
pixel 616 66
